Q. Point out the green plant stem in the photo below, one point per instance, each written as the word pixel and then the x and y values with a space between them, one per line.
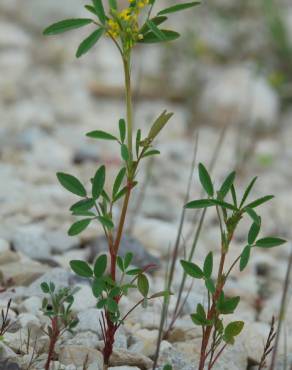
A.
pixel 126 62
pixel 114 247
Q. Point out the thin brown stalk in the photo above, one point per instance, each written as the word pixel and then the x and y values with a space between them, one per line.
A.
pixel 268 346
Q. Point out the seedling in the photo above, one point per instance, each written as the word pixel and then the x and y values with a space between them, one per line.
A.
pixel 216 335
pixel 58 309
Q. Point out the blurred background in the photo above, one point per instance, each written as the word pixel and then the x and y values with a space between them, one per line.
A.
pixel 229 81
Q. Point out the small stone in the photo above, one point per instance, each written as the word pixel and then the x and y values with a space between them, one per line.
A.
pixel 31 305
pixel 121 358
pixel 6 352
pixel 87 339
pixel 145 342
pixel 4 246
pixel 31 241
pixel 84 298
pixel 89 321
pixel 23 273
pixel 80 355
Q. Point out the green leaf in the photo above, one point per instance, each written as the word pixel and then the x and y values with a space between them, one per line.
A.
pixel 106 222
pixel 81 268
pixel 112 305
pixel 226 186
pixel 118 181
pixel 89 42
pixel 150 153
pixel 79 226
pixel 234 197
pixel 259 201
pixel 159 124
pixel 253 232
pixel 253 215
pixel 244 258
pixel 269 242
pixel 205 180
pixel 115 292
pixel 99 10
pixel 143 285
pixel 120 263
pixel 227 305
pixel 122 128
pixel 210 286
pixel 98 286
pixel 232 330
pixel 102 135
pixel 82 205
pixel 91 9
pixel 164 294
pixel 138 140
pixel 120 194
pixel 128 259
pixel 167 367
pixel 151 38
pixel 192 269
pixel 223 204
pixel 208 265
pixel 71 184
pixel 200 203
pixel 178 7
pixel 247 191
pixel 101 303
pixel 98 182
pixel 134 272
pixel 100 266
pixel 113 4
pixel 156 20
pixel 45 287
pixel 124 152
pixel 152 26
pixel 66 25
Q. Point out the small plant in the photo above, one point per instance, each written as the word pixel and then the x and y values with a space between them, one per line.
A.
pixel 216 335
pixel 126 28
pixel 58 309
pixel 5 320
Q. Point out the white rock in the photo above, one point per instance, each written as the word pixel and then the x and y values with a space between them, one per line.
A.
pixel 145 342
pixel 239 95
pixel 31 305
pixel 4 246
pixel 84 298
pixel 89 320
pixel 31 241
pixel 13 36
pixel 156 235
pixel 78 355
pixel 87 339
pixel 254 337
pixel 6 352
pixel 28 320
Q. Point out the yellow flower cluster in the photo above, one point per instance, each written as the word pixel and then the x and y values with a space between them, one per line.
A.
pixel 127 19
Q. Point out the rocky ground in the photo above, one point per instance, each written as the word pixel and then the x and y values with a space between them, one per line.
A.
pixel 48 101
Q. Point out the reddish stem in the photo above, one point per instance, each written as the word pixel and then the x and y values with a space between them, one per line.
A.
pixel 53 341
pixel 111 327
